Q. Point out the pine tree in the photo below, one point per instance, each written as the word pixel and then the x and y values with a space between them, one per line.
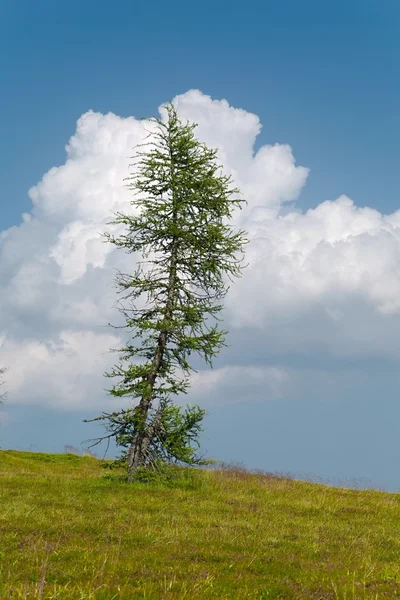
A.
pixel 181 228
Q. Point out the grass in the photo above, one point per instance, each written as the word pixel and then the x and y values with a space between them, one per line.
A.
pixel 70 529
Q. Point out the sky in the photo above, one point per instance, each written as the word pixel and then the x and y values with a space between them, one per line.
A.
pixel 301 100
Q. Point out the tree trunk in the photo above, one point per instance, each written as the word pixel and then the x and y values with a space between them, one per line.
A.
pixel 142 439
pixel 137 457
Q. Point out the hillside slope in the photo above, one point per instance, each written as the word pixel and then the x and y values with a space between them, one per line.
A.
pixel 71 529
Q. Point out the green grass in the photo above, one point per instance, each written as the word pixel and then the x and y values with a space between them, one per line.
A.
pixel 71 529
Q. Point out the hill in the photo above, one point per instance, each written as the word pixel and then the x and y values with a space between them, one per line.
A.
pixel 71 529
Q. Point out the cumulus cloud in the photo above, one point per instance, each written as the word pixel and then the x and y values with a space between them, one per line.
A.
pixel 324 281
pixel 61 372
pixel 266 179
pixel 334 250
pixel 328 277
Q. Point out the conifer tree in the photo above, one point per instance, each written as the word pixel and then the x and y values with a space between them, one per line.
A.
pixel 172 301
pixel 3 395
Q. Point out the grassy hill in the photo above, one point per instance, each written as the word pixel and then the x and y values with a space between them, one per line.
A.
pixel 71 529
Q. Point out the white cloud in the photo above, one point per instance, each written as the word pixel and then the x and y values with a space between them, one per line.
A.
pixel 327 279
pixel 266 179
pixel 326 256
pixel 62 373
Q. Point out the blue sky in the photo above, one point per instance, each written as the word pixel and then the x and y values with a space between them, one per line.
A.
pixel 322 77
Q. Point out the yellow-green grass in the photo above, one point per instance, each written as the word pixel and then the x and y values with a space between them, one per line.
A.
pixel 71 529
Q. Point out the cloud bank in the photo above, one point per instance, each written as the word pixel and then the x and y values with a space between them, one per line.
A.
pixel 324 282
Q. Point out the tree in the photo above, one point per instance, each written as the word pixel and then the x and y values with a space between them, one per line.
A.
pixel 3 371
pixel 181 227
